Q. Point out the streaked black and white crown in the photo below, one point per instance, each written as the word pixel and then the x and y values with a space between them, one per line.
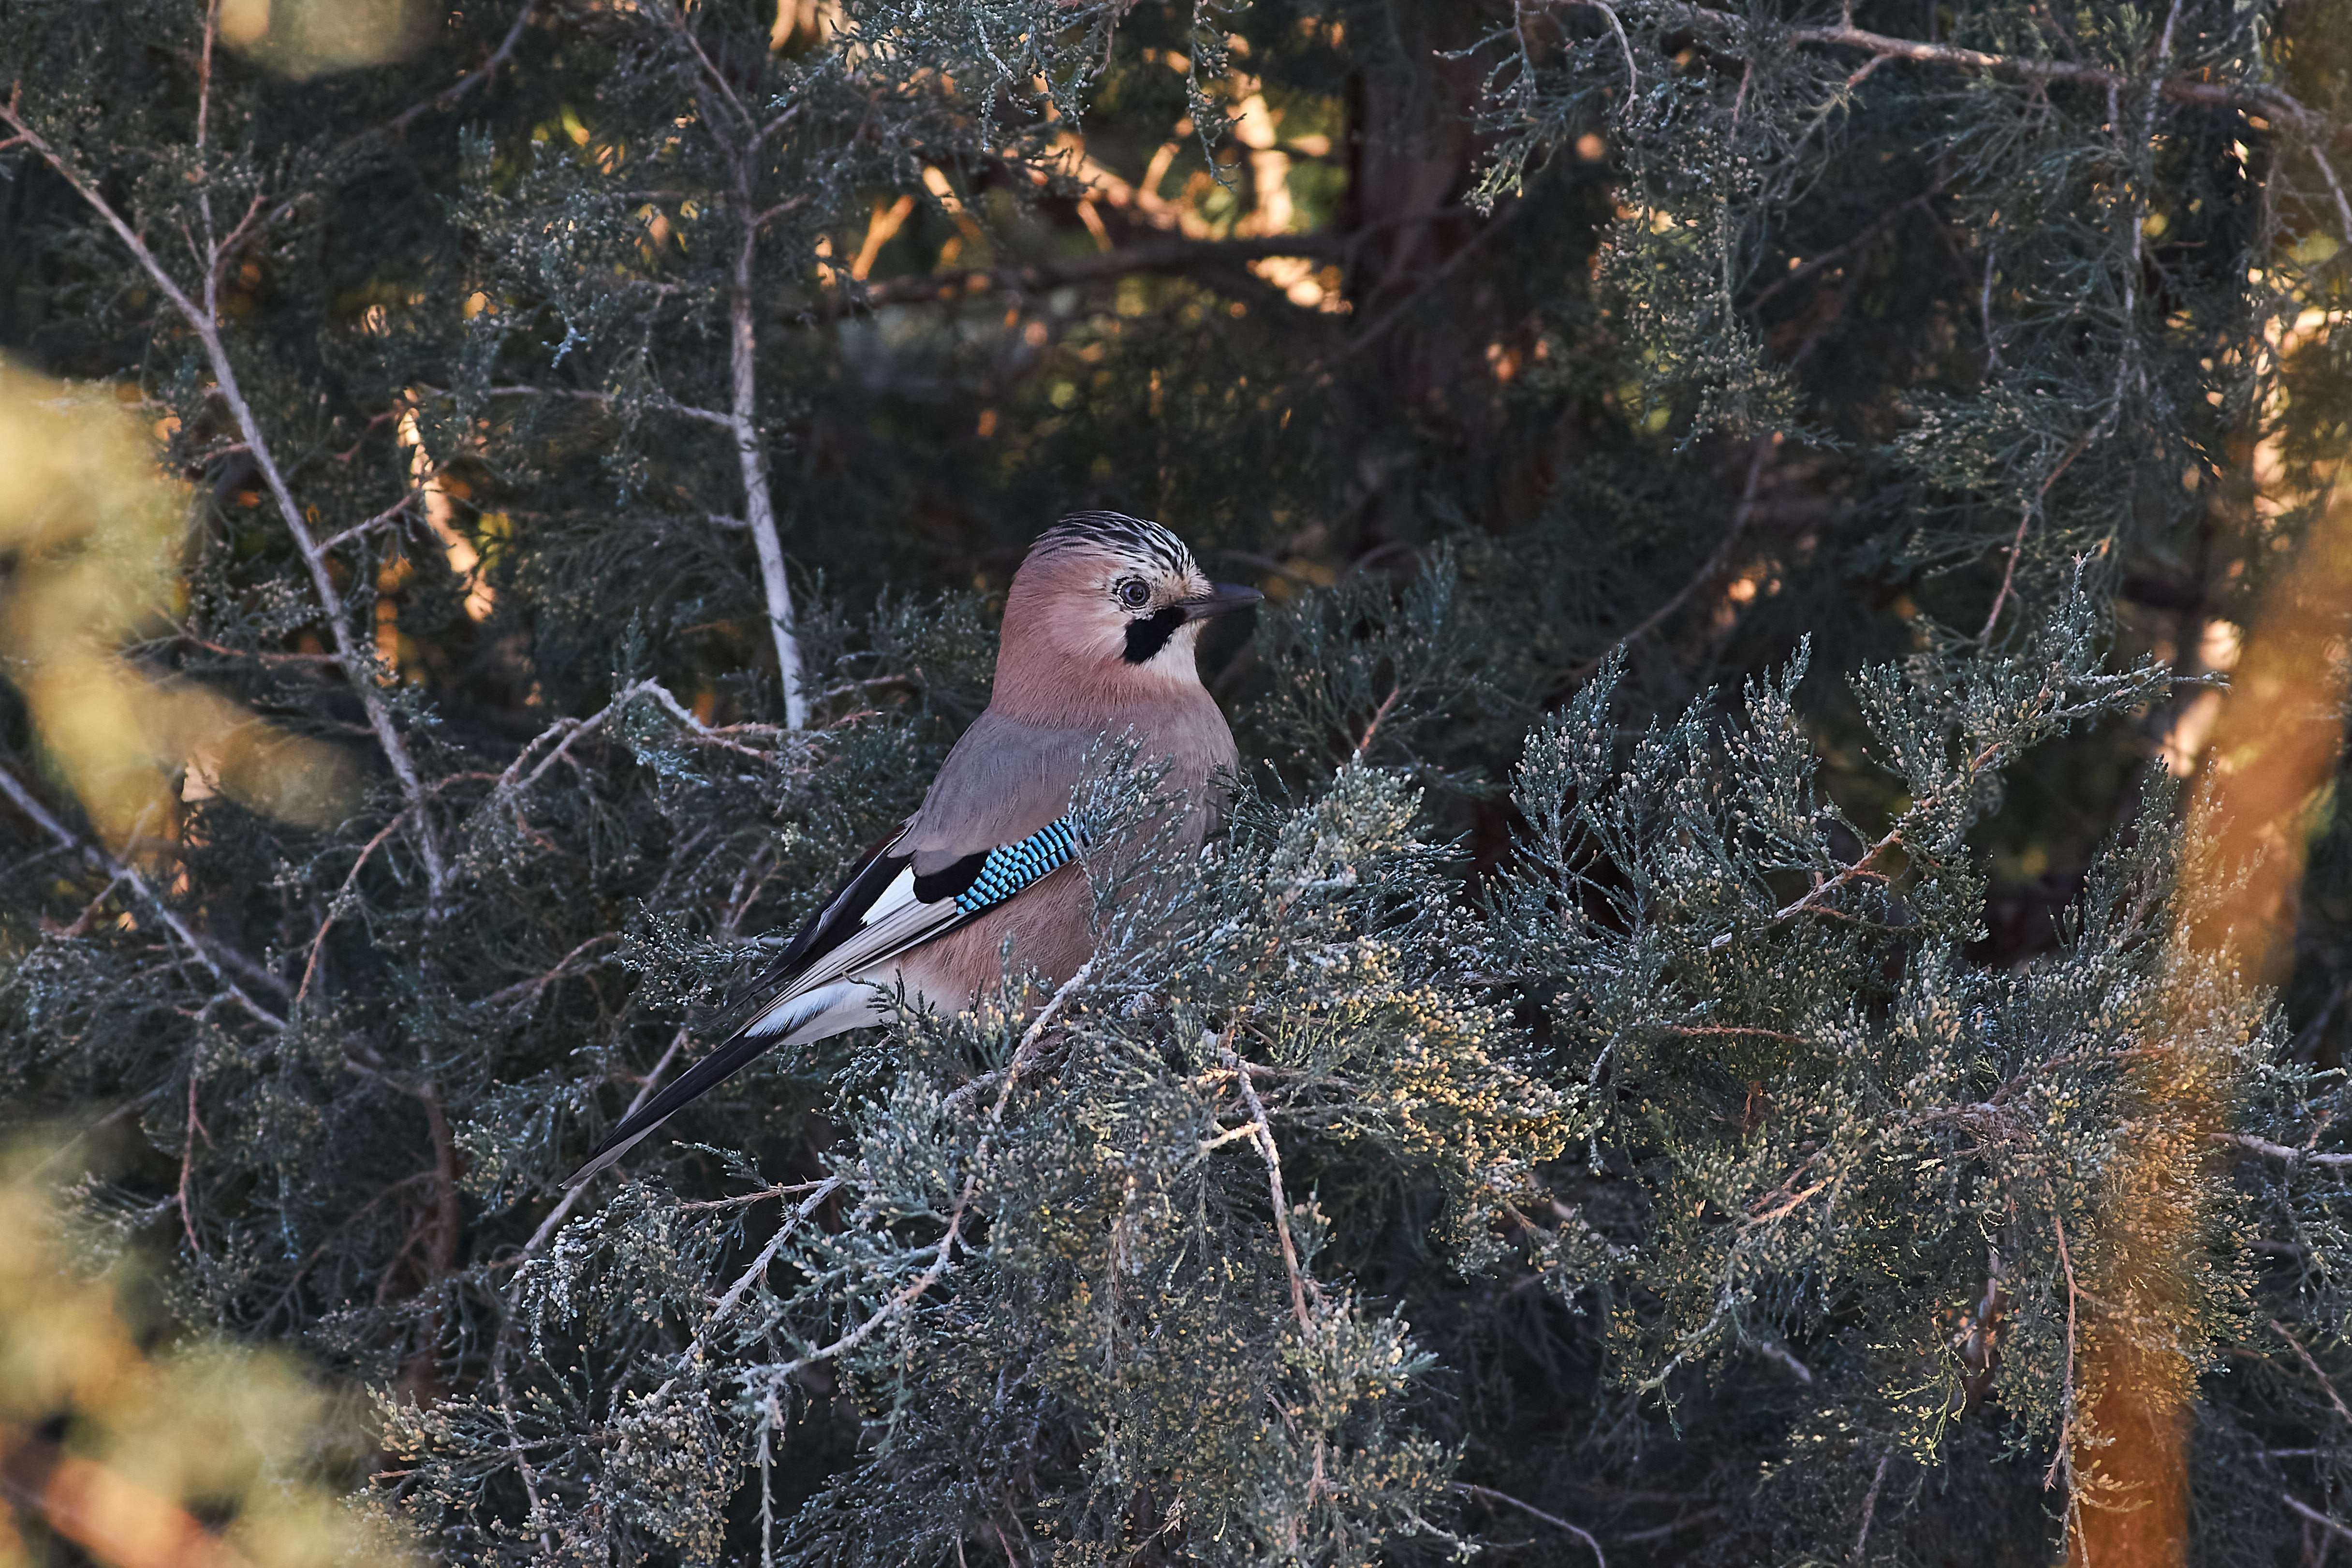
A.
pixel 1147 542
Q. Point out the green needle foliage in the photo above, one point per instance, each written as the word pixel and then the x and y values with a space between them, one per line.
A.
pixel 1755 503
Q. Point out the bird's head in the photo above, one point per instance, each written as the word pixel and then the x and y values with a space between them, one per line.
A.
pixel 1108 608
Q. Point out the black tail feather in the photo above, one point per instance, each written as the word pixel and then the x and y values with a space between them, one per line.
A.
pixel 692 1084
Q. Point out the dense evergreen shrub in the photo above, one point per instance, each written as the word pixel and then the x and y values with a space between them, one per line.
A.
pixel 1754 503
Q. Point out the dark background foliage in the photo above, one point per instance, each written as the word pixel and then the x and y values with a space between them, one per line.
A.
pixel 1749 500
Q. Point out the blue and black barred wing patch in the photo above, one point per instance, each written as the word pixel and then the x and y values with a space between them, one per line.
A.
pixel 1007 869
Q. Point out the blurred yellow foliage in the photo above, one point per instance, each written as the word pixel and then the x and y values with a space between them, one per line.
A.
pixel 303 38
pixel 95 529
pixel 199 1454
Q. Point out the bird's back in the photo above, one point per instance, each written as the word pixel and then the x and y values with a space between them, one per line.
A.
pixel 1008 777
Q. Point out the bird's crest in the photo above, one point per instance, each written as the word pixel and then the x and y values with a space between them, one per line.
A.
pixel 1147 542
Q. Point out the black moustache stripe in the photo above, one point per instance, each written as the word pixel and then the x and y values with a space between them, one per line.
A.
pixel 1149 634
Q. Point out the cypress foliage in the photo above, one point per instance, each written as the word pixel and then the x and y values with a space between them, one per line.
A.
pixel 1756 503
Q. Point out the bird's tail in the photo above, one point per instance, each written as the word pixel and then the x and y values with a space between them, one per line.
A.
pixel 827 1010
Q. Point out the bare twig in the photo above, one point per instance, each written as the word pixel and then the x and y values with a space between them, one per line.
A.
pixel 584 394
pixel 106 865
pixel 743 1200
pixel 2292 1156
pixel 469 81
pixel 1301 1287
pixel 1489 1494
pixel 1364 741
pixel 1715 562
pixel 2313 1514
pixel 752 453
pixel 1869 1508
pixel 2025 522
pixel 1632 77
pixel 2066 1389
pixel 531 988
pixel 334 906
pixel 360 530
pixel 2312 1366
pixel 2253 98
pixel 572 1195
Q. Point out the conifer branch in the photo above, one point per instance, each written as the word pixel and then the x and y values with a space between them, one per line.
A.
pixel 2267 101
pixel 203 320
pixel 942 1254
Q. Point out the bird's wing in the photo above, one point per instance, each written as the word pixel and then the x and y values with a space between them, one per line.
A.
pixel 1003 781
pixel 991 827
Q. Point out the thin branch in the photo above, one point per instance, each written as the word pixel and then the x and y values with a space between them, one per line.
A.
pixel 2066 1424
pixel 1489 1494
pixel 1301 1287
pixel 466 83
pixel 358 530
pixel 684 410
pixel 1813 900
pixel 1869 1508
pixel 1364 741
pixel 944 1252
pixel 743 1200
pixel 1715 562
pixel 2279 1151
pixel 675 14
pixel 106 865
pixel 752 453
pixel 1632 77
pixel 204 73
pixel 2256 98
pixel 531 988
pixel 2025 522
pixel 2315 1517
pixel 2312 1366
pixel 335 905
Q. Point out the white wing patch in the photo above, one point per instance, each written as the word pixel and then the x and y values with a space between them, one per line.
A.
pixel 791 1012
pixel 892 899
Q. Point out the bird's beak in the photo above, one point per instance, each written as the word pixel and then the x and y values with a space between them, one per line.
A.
pixel 1222 599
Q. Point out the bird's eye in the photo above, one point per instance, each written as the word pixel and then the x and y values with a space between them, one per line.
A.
pixel 1134 594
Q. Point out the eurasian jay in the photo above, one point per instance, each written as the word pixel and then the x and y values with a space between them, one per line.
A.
pixel 1100 627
